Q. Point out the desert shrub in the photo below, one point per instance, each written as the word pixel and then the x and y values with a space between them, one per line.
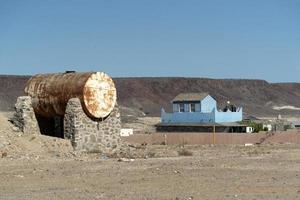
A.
pixel 256 126
pixel 151 154
pixel 287 126
pixel 184 152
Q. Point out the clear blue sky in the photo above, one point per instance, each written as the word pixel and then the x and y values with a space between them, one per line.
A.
pixel 257 39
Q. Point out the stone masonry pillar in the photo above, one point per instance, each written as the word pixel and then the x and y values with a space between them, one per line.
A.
pixel 92 135
pixel 24 117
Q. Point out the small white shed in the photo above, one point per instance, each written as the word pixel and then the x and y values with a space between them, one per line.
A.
pixel 125 132
pixel 249 129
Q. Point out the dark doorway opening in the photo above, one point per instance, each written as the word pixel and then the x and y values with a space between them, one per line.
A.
pixel 53 126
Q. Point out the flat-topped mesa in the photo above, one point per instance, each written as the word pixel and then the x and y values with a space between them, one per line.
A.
pixel 50 93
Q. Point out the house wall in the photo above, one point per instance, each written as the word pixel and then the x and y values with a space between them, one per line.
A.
pixel 200 117
pixel 187 107
pixel 206 112
pixel 198 107
pixel 208 104
pixel 223 117
pixel 187 117
pixel 175 107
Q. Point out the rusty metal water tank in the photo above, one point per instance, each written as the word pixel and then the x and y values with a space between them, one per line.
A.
pixel 50 93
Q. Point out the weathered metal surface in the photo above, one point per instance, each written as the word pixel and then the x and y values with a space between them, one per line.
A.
pixel 51 92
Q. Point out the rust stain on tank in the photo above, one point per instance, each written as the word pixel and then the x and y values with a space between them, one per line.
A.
pixel 99 94
pixel 51 92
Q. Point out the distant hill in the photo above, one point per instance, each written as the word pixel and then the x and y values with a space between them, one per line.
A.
pixel 258 97
pixel 10 88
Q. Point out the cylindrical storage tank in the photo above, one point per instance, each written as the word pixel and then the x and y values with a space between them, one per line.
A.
pixel 50 93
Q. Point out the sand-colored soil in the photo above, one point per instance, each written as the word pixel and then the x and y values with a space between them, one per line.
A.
pixel 41 167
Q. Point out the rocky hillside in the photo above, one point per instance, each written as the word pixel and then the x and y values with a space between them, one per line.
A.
pixel 10 88
pixel 258 97
pixel 148 95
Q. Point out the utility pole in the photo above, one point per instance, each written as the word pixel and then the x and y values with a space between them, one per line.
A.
pixel 214 134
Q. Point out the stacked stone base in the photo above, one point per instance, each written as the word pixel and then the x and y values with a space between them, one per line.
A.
pixel 86 134
pixel 24 117
pixel 92 135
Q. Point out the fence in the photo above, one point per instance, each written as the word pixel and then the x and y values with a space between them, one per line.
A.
pixel 217 138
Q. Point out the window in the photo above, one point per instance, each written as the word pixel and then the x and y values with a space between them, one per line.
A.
pixel 181 107
pixel 192 107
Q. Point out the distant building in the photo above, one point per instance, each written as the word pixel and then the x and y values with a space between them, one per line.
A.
pixel 296 124
pixel 249 129
pixel 199 108
pixel 267 127
pixel 125 132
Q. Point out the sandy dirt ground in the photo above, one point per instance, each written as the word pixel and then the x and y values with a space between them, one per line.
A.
pixel 41 167
pixel 142 125
pixel 221 172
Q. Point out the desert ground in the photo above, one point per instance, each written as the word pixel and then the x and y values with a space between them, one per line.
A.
pixel 42 167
